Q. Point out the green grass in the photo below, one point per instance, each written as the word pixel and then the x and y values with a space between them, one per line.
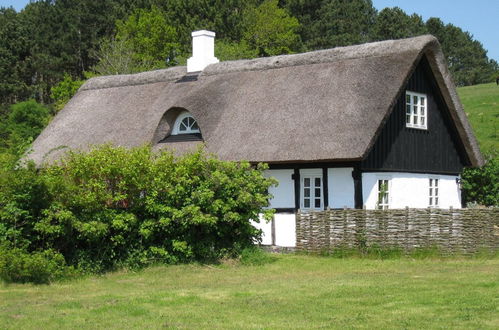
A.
pixel 481 104
pixel 294 291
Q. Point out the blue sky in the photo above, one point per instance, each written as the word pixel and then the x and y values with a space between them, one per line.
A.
pixel 479 17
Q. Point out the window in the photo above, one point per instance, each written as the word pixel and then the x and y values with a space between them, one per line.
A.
pixel 311 192
pixel 416 110
pixel 433 193
pixel 185 124
pixel 383 194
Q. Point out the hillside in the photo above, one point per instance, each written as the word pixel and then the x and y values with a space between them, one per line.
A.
pixel 481 104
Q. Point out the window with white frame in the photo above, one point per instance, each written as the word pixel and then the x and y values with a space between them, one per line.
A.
pixel 383 194
pixel 185 124
pixel 311 192
pixel 433 193
pixel 416 110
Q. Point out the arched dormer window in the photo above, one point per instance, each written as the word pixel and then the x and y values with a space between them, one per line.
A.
pixel 185 124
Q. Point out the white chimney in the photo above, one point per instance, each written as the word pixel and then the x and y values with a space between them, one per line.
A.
pixel 203 51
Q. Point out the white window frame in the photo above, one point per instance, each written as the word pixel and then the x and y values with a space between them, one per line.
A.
pixel 416 111
pixel 176 127
pixel 383 204
pixel 433 192
pixel 312 175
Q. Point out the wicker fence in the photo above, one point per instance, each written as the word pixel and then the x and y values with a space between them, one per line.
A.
pixel 453 230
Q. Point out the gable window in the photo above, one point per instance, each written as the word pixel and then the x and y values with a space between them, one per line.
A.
pixel 185 124
pixel 383 194
pixel 311 192
pixel 416 110
pixel 433 193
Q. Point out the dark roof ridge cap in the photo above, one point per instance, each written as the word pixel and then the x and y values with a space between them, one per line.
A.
pixel 373 49
pixel 142 78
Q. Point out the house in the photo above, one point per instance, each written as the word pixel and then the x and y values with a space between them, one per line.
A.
pixel 377 125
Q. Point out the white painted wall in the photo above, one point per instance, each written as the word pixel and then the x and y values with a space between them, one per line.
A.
pixel 284 193
pixel 341 188
pixel 285 229
pixel 410 190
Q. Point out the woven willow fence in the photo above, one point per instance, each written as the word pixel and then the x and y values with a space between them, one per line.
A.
pixel 453 230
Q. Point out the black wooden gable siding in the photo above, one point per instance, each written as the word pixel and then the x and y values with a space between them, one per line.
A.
pixel 435 150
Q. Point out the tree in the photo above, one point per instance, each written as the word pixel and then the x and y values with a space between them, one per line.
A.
pixel 64 91
pixel 150 36
pixel 271 30
pixel 332 23
pixel 394 23
pixel 25 121
pixel 466 57
pixel 14 52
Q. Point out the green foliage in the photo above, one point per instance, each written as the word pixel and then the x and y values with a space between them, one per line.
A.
pixel 150 36
pixel 24 122
pixel 332 23
pixel 466 57
pixel 40 267
pixel 394 23
pixel 114 207
pixel 227 51
pixel 271 30
pixel 62 92
pixel 481 185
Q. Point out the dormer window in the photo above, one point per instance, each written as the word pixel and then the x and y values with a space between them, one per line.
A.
pixel 416 110
pixel 185 124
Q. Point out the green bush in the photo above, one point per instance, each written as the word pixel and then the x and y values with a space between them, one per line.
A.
pixel 17 265
pixel 481 185
pixel 114 207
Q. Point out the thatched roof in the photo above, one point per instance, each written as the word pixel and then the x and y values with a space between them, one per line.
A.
pixel 320 106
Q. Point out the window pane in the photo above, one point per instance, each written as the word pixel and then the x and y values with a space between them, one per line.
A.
pixel 317 192
pixel 306 192
pixel 422 100
pixel 408 108
pixel 421 111
pixel 415 99
pixel 436 191
pixel 422 121
pixel 182 126
pixel 195 126
pixel 415 110
pixel 306 203
pixel 407 98
pixel 317 182
pixel 431 191
pixel 306 182
pixel 431 201
pixel 317 203
pixel 436 200
pixel 436 182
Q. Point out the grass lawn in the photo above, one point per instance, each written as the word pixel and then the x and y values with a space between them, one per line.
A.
pixel 295 291
pixel 481 104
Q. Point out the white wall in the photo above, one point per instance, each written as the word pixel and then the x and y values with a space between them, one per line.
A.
pixel 285 229
pixel 411 190
pixel 341 188
pixel 284 193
